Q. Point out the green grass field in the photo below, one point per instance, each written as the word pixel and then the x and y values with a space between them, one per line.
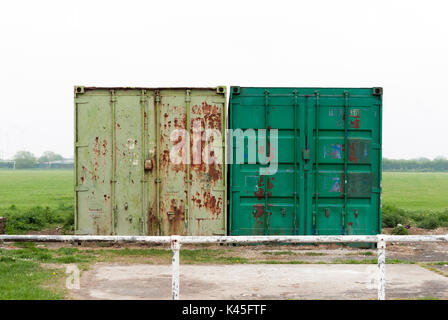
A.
pixel 37 199
pixel 30 188
pixel 416 191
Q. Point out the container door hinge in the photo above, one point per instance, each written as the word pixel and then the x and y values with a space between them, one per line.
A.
pixel 221 89
pixel 81 145
pixel 79 89
pixel 143 96
pixel 377 91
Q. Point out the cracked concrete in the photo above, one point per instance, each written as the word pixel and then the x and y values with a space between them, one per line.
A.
pixel 258 281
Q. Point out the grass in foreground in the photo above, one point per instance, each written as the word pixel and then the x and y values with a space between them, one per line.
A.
pixel 30 271
pixel 27 280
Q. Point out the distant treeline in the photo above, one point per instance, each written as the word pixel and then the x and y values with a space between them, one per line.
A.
pixel 27 160
pixel 422 164
pixel 51 160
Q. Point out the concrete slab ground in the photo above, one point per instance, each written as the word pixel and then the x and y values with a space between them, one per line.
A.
pixel 258 281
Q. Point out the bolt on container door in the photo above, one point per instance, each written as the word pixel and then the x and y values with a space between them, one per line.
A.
pixel 320 186
pixel 126 181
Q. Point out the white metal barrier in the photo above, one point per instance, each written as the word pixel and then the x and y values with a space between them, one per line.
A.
pixel 176 242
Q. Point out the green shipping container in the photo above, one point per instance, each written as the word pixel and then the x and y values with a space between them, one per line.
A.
pixel 328 177
pixel 126 182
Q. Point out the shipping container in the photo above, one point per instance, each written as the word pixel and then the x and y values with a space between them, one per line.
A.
pixel 126 182
pixel 327 180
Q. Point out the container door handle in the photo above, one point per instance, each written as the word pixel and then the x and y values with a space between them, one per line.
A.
pixel 148 165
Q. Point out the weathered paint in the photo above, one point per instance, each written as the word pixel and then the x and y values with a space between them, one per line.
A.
pixel 126 183
pixel 227 239
pixel 175 247
pixel 329 153
pixel 381 246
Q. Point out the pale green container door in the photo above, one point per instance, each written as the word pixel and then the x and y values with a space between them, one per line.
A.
pixel 93 166
pixel 111 198
pixel 126 183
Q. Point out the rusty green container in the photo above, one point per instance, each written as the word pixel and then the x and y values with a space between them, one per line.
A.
pixel 126 183
pixel 328 176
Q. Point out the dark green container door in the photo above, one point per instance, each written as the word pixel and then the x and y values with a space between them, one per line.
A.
pixel 320 187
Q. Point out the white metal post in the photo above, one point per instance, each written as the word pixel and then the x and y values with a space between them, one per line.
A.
pixel 175 246
pixel 381 245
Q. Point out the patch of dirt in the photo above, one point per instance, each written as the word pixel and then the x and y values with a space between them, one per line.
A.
pixel 415 252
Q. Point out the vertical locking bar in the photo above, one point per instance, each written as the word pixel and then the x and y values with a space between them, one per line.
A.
pixel 158 181
pixel 316 170
pixel 188 180
pixel 380 162
pixel 175 247
pixel 144 155
pixel 75 156
pixel 345 174
pixel 381 246
pixel 295 161
pixel 268 151
pixel 113 101
pixel 224 152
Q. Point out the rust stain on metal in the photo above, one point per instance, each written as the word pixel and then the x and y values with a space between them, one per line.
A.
pixel 352 153
pixel 355 123
pixel 258 210
pixel 152 222
pixel 96 147
pixel 355 114
pixel 270 186
pixel 181 123
pixel 196 200
pixel 212 204
pixel 176 216
pixel 260 191
pixel 104 147
pixel 211 115
pixel 214 172
pixel 163 199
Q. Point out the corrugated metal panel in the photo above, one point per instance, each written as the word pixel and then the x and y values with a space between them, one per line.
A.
pixel 126 183
pixel 320 187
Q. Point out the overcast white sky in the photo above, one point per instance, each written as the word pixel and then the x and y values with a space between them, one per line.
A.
pixel 46 47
